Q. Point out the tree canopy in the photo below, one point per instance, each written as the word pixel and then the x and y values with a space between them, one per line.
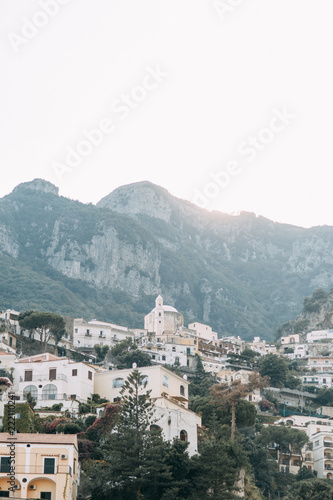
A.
pixel 46 324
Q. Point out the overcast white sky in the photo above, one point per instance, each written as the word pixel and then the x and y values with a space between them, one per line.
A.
pixel 226 74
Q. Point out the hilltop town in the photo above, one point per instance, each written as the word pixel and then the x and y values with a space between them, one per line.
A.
pixel 66 387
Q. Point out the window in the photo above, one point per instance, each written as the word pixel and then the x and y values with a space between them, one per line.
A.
pixel 174 349
pixel 165 381
pixel 49 465
pixel 182 390
pixel 163 358
pixel 155 427
pixel 28 376
pixel 145 380
pixel 76 330
pixel 5 464
pixel 73 396
pixel 52 373
pixel 183 435
pixel 4 494
pixel 74 373
pixel 90 375
pixel 118 382
pixel 160 314
pixel 250 397
pixel 188 350
pixel 49 391
pixel 32 389
pixel 46 495
pixel 74 466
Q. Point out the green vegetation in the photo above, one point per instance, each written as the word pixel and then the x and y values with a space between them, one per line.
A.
pixel 208 258
pixel 125 353
pixel 46 324
pixel 25 418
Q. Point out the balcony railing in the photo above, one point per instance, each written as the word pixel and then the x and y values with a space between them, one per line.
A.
pixel 41 378
pixel 328 445
pixel 40 469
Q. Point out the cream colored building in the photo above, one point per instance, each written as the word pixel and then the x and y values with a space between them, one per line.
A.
pixel 163 319
pixel 169 392
pixel 46 466
pixel 158 380
pixel 203 331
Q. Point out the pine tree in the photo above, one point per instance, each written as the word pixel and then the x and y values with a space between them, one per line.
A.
pixel 134 465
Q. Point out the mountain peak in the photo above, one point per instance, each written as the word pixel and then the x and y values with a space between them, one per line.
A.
pixel 140 198
pixel 38 185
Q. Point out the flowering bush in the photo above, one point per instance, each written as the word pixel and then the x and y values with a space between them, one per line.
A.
pixel 266 405
pixel 5 381
pixel 86 449
pixel 50 426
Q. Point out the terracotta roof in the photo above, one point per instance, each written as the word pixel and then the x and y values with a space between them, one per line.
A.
pixel 39 438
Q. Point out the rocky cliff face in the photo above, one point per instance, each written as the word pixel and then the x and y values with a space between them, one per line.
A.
pixel 243 274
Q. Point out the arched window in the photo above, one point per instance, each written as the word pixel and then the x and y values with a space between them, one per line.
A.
pixel 177 361
pixel 182 390
pixel 165 381
pixel 145 380
pixel 163 358
pixel 155 428
pixel 49 391
pixel 32 389
pixel 118 382
pixel 183 435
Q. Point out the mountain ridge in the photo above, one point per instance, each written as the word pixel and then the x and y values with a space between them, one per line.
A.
pixel 242 274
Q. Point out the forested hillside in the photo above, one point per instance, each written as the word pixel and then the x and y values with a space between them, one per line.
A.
pixel 243 274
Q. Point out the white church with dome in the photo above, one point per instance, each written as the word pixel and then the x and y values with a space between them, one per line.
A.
pixel 163 319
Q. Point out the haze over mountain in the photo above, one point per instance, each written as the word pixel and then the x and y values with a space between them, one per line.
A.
pixel 241 274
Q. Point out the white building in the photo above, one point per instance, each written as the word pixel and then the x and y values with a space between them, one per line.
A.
pixel 261 347
pixel 51 379
pixel 230 376
pixel 11 318
pixel 300 351
pixel 318 379
pixel 170 349
pixel 169 393
pixel 203 331
pixel 86 334
pixel 317 454
pixel 163 319
pixel 316 335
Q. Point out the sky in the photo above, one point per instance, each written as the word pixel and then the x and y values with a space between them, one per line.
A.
pixel 225 103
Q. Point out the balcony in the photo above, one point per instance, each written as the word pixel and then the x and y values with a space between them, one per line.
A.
pixel 39 469
pixel 87 335
pixel 41 378
pixel 328 444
